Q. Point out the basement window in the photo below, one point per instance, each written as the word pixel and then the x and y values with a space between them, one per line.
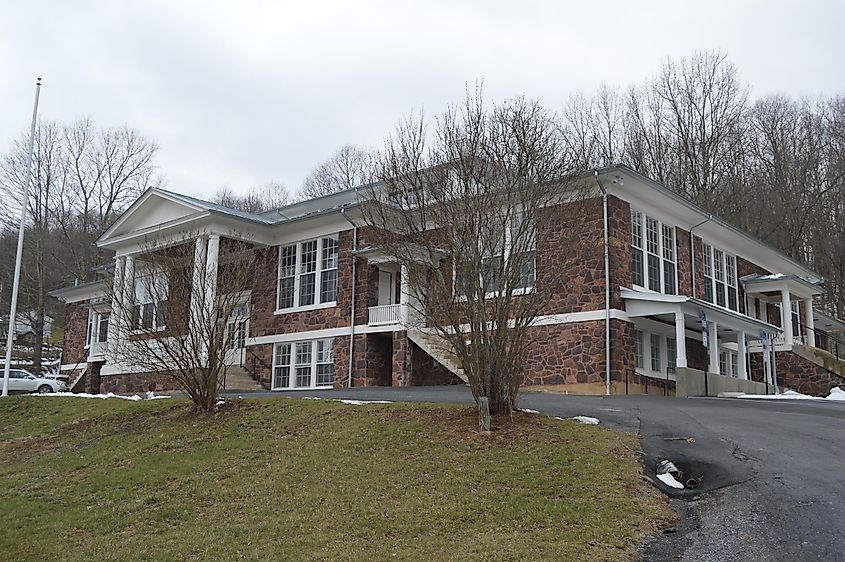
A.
pixel 303 365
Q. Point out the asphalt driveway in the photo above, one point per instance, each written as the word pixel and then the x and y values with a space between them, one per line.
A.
pixel 772 484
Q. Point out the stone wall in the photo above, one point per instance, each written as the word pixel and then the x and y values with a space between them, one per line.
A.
pixel 570 241
pixel 76 328
pixel 800 374
pixel 137 383
pixel 426 371
pixel 575 353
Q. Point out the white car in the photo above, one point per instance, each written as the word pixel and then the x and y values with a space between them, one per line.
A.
pixel 24 381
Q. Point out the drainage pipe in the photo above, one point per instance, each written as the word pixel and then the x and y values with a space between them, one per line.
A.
pixel 352 312
pixel 606 289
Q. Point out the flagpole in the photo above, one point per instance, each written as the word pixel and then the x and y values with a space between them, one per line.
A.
pixel 13 309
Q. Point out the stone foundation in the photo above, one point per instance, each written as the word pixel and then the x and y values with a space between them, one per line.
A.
pixel 137 383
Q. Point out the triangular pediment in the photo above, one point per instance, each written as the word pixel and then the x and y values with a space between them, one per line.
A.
pixel 153 209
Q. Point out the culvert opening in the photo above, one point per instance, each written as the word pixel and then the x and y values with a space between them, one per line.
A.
pixel 680 475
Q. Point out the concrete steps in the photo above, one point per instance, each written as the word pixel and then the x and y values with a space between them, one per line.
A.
pixel 439 350
pixel 237 378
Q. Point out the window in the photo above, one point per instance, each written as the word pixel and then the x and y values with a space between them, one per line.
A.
pixel 720 278
pixel 734 358
pixel 671 355
pixel 151 293
pixel 637 273
pixel 102 327
pixel 655 352
pixel 669 260
pixel 723 362
pixel 308 273
pixel 307 364
pixel 796 319
pixel 91 331
pixel 653 255
pixel 98 327
pixel 518 243
pixel 639 350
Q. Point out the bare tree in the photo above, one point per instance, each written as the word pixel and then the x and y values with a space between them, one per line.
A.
pixel 272 195
pixel 175 319
pixel 351 166
pixel 459 214
pixel 83 177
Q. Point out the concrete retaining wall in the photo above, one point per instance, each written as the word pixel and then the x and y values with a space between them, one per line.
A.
pixel 690 382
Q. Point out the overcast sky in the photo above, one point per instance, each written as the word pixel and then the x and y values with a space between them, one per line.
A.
pixel 241 93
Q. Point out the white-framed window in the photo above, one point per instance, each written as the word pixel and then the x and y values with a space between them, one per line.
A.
pixel 653 254
pixel 305 364
pixel 655 352
pixel 151 294
pixel 98 327
pixel 307 274
pixel 720 278
pixel 728 361
pixel 517 242
pixel 639 349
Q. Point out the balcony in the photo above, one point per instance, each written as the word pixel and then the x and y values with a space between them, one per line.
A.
pixel 386 315
pixel 97 351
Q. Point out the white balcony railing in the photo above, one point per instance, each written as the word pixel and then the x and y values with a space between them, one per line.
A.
pixel 98 349
pixel 385 315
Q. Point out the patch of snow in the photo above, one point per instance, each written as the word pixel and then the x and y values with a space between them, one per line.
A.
pixel 586 420
pixel 134 397
pixel 219 403
pixel 836 393
pixel 785 395
pixel 771 276
pixel 670 481
pixel 528 411
pixel 359 402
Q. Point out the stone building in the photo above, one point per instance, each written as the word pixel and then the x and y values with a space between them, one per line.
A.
pixel 688 293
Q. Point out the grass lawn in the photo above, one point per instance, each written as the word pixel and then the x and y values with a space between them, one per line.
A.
pixel 305 479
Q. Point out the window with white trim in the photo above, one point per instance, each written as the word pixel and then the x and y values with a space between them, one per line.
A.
pixel 305 364
pixel 653 254
pixel 98 327
pixel 151 294
pixel 639 349
pixel 517 242
pixel 307 273
pixel 655 352
pixel 720 278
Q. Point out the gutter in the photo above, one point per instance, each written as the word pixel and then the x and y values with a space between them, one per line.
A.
pixel 606 288
pixel 352 311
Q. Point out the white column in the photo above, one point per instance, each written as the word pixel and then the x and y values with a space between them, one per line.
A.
pixel 680 341
pixel 764 310
pixel 116 309
pixel 404 294
pixel 713 342
pixel 197 289
pixel 741 370
pixel 809 322
pixel 126 305
pixel 211 257
pixel 786 316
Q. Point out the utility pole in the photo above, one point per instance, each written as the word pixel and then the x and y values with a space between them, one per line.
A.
pixel 13 307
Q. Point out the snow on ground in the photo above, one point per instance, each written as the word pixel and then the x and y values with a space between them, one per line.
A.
pixel 359 402
pixel 528 411
pixel 134 397
pixel 586 420
pixel 836 394
pixel 670 481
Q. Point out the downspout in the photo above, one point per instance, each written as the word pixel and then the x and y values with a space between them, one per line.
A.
pixel 606 289
pixel 352 311
pixel 692 250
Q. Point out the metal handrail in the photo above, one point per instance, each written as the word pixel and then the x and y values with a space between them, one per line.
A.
pixel 835 346
pixel 639 378
pixel 260 361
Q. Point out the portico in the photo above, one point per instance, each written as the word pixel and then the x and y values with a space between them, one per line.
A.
pixel 670 321
pixel 792 297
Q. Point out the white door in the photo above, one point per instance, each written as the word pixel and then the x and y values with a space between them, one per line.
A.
pixel 236 332
pixel 386 287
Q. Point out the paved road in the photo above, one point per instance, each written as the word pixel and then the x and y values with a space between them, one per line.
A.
pixel 773 485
